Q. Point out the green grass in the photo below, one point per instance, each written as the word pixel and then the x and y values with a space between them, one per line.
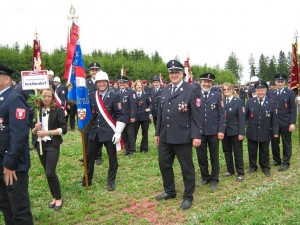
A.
pixel 258 200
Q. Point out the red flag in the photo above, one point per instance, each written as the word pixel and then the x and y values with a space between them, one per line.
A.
pixel 70 52
pixel 161 80
pixel 294 77
pixel 37 63
pixel 187 69
pixel 123 71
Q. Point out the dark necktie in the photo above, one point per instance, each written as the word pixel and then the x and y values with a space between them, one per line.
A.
pixel 227 101
pixel 260 102
pixel 278 93
pixel 205 94
pixel 174 90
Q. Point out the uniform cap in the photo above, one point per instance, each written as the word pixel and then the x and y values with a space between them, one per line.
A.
pixel 57 79
pixel 101 75
pixel 272 83
pixel 50 73
pixel 4 70
pixel 280 76
pixel 94 65
pixel 155 78
pixel 174 65
pixel 207 76
pixel 123 79
pixel 261 84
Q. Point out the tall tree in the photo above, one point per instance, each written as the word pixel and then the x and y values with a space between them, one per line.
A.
pixel 263 67
pixel 272 69
pixel 252 66
pixel 283 65
pixel 232 64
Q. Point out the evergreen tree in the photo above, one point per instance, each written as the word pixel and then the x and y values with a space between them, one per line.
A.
pixel 232 64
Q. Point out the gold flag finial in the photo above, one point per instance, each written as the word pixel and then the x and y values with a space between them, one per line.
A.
pixel 36 34
pixel 296 35
pixel 73 15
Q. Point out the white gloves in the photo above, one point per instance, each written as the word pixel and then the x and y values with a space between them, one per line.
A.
pixel 117 136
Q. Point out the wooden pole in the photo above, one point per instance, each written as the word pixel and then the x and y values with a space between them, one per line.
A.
pixel 38 120
pixel 86 178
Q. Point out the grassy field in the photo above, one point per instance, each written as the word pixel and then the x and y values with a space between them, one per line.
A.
pixel 258 200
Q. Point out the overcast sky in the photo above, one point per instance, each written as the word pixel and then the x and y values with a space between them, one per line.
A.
pixel 206 31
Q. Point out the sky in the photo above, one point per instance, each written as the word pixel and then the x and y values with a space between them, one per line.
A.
pixel 205 31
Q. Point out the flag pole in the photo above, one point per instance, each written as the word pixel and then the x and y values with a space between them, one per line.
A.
pixel 74 18
pixel 36 91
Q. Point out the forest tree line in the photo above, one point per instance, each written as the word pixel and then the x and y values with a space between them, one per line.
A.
pixel 140 65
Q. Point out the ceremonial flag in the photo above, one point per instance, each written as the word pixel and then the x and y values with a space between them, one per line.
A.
pixel 76 79
pixel 161 80
pixel 294 77
pixel 123 71
pixel 187 70
pixel 37 63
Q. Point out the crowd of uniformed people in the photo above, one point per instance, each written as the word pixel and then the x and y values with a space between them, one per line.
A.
pixel 185 116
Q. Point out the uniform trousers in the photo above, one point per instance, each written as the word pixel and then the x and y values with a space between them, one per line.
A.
pixel 93 145
pixel 49 161
pixel 212 142
pixel 128 137
pixel 71 114
pixel 286 137
pixel 145 128
pixel 166 155
pixel 263 155
pixel 87 129
pixel 14 200
pixel 233 147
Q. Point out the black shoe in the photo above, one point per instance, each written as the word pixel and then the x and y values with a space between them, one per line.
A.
pixel 98 162
pixel 128 153
pixel 252 170
pixel 83 183
pixel 276 164
pixel 164 196
pixel 214 185
pixel 51 205
pixel 203 182
pixel 111 187
pixel 283 168
pixel 267 173
pixel 58 207
pixel 186 204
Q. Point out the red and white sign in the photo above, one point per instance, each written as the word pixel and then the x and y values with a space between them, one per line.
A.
pixel 37 79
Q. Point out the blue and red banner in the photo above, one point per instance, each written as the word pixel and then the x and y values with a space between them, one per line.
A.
pixel 76 79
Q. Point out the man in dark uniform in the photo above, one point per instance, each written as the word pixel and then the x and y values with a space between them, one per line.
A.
pixel 286 111
pixel 90 82
pixel 178 130
pixel 106 128
pixel 129 107
pixel 94 68
pixel 51 81
pixel 212 107
pixel 242 93
pixel 262 125
pixel 14 153
pixel 251 90
pixel 155 96
pixel 61 94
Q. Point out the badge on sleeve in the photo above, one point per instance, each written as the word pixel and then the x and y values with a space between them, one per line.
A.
pixel 133 95
pixel 222 104
pixel 198 102
pixel 20 113
pixel 119 105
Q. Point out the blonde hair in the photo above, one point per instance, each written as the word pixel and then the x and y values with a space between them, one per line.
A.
pixel 136 82
pixel 229 85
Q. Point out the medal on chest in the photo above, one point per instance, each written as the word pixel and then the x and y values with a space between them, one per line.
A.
pixel 183 107
pixel 2 123
pixel 251 113
pixel 285 104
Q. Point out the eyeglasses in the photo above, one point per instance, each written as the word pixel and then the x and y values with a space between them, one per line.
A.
pixel 226 89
